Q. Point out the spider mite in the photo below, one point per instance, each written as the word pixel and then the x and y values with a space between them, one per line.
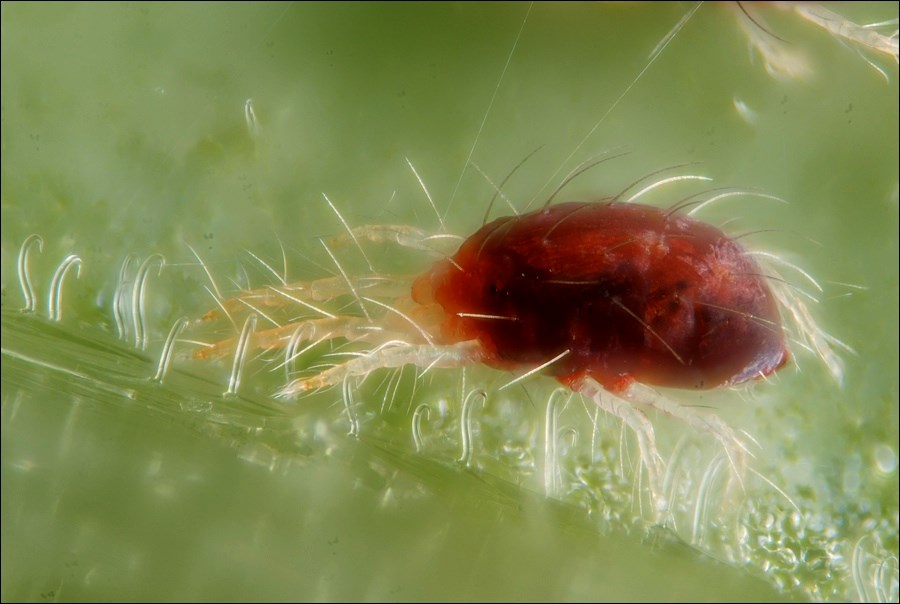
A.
pixel 609 298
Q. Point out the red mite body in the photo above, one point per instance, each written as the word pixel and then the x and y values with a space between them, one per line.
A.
pixel 624 292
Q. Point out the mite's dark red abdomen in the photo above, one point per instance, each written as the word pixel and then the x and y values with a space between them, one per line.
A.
pixel 632 292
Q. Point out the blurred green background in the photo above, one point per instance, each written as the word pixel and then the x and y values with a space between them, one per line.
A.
pixel 125 131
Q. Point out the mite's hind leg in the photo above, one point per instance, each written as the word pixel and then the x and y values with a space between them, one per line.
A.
pixel 641 427
pixel 734 448
pixel 390 354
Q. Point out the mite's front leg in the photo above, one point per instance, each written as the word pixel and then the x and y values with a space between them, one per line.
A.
pixel 389 355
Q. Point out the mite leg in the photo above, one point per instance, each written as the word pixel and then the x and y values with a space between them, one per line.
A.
pixel 307 293
pixel 351 328
pixel 780 61
pixel 625 410
pixel 811 336
pixel 391 354
pixel 865 36
pixel 402 235
pixel 734 448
